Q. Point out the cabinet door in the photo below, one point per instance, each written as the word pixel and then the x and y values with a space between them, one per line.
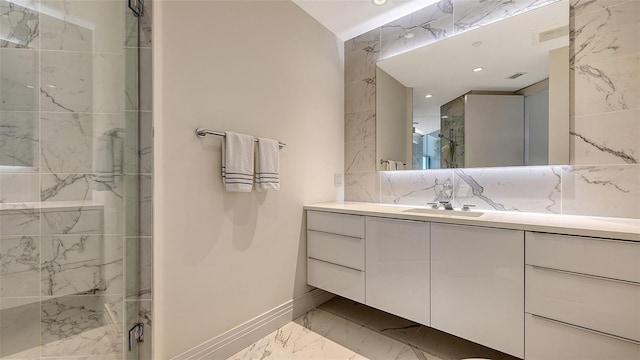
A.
pixel 477 285
pixel 397 267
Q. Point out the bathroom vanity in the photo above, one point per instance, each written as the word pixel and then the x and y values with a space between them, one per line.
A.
pixel 535 286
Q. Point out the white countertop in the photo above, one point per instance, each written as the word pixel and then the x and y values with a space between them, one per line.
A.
pixel 605 227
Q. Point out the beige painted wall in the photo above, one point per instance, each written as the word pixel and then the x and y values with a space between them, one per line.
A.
pixel 264 68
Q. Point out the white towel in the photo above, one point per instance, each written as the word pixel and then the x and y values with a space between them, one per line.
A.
pixel 237 162
pixel 268 165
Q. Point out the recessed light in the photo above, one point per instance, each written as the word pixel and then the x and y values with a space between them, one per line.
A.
pixel 478 69
pixel 379 2
pixel 428 96
pixel 476 44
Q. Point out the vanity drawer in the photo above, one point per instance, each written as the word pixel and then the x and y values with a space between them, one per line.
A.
pixel 338 249
pixel 336 279
pixel 550 340
pixel 342 224
pixel 614 259
pixel 605 305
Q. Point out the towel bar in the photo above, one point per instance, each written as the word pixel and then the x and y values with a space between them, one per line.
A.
pixel 200 132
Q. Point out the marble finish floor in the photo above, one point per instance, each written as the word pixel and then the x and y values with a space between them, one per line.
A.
pixel 343 329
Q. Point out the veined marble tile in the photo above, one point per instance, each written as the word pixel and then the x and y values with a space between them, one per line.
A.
pixel 20 221
pixel 433 23
pixel 146 79
pixel 19 188
pixel 416 187
pixel 583 7
pixel 146 142
pixel 131 31
pixel 90 26
pixel 146 205
pixel 20 328
pixel 360 156
pixel 19 140
pixel 82 265
pixel 82 143
pixel 138 267
pixel 145 26
pixel 19 24
pixel 360 127
pixel 502 188
pixel 609 138
pixel 132 205
pixel 131 86
pixel 471 14
pixel 67 187
pixel 81 82
pixel 73 220
pixel 131 142
pixel 363 187
pixel 19 79
pixel 360 95
pixel 607 85
pixel 361 55
pixel 20 266
pixel 609 33
pixel 139 311
pixel 82 325
pixel 612 191
pixel 321 335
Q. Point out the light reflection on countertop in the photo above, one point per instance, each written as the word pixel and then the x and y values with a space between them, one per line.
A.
pixel 606 227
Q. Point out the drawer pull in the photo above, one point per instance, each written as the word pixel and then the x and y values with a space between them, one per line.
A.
pixel 587 329
pixel 332 263
pixel 584 275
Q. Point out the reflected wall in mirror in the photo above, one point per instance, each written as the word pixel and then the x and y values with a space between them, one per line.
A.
pixel 494 96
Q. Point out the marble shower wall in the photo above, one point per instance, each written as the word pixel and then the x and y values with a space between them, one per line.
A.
pixel 603 178
pixel 75 178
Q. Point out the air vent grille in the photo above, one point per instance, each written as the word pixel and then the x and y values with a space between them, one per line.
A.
pixel 515 76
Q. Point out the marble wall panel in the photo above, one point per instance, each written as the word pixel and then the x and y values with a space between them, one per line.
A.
pixel 416 187
pixel 361 54
pixel 138 267
pixel 17 188
pixel 362 186
pixel 82 82
pixel 146 205
pixel 609 138
pixel 70 220
pixel 19 266
pixel 82 25
pixel 145 79
pixel 145 146
pixel 132 205
pixel 601 190
pixel 20 221
pixel 82 265
pixel 19 79
pixel 19 24
pixel 360 126
pixel 359 156
pixel 471 14
pixel 425 26
pixel 19 140
pixel 502 189
pixel 20 328
pixel 82 326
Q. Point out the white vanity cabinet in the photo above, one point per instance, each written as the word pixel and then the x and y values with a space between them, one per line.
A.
pixel 582 298
pixel 335 253
pixel 477 285
pixel 398 264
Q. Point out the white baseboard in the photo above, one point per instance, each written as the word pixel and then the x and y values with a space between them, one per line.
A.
pixel 236 339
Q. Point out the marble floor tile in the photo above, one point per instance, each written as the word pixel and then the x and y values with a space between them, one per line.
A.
pixel 343 329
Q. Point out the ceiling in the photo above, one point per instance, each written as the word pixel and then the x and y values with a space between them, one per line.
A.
pixel 350 18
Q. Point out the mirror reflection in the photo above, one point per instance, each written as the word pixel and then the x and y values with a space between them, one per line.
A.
pixel 494 96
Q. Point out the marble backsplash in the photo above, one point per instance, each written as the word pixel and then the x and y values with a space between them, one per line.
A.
pixel 603 177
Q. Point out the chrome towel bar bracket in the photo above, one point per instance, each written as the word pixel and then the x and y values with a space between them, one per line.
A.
pixel 200 132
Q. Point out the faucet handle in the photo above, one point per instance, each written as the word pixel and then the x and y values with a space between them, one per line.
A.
pixel 447 205
pixel 434 205
pixel 467 207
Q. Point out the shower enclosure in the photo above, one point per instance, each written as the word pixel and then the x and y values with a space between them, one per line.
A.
pixel 75 179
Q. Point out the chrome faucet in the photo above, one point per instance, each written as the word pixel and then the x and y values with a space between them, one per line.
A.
pixel 447 205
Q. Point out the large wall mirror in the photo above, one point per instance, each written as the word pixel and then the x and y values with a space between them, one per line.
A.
pixel 494 96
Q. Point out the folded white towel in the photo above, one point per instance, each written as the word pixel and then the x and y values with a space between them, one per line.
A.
pixel 267 165
pixel 237 162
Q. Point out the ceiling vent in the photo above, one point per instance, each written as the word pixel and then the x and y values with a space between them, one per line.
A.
pixel 554 33
pixel 515 76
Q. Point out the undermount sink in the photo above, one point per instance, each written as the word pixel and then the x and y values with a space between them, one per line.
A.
pixel 443 212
